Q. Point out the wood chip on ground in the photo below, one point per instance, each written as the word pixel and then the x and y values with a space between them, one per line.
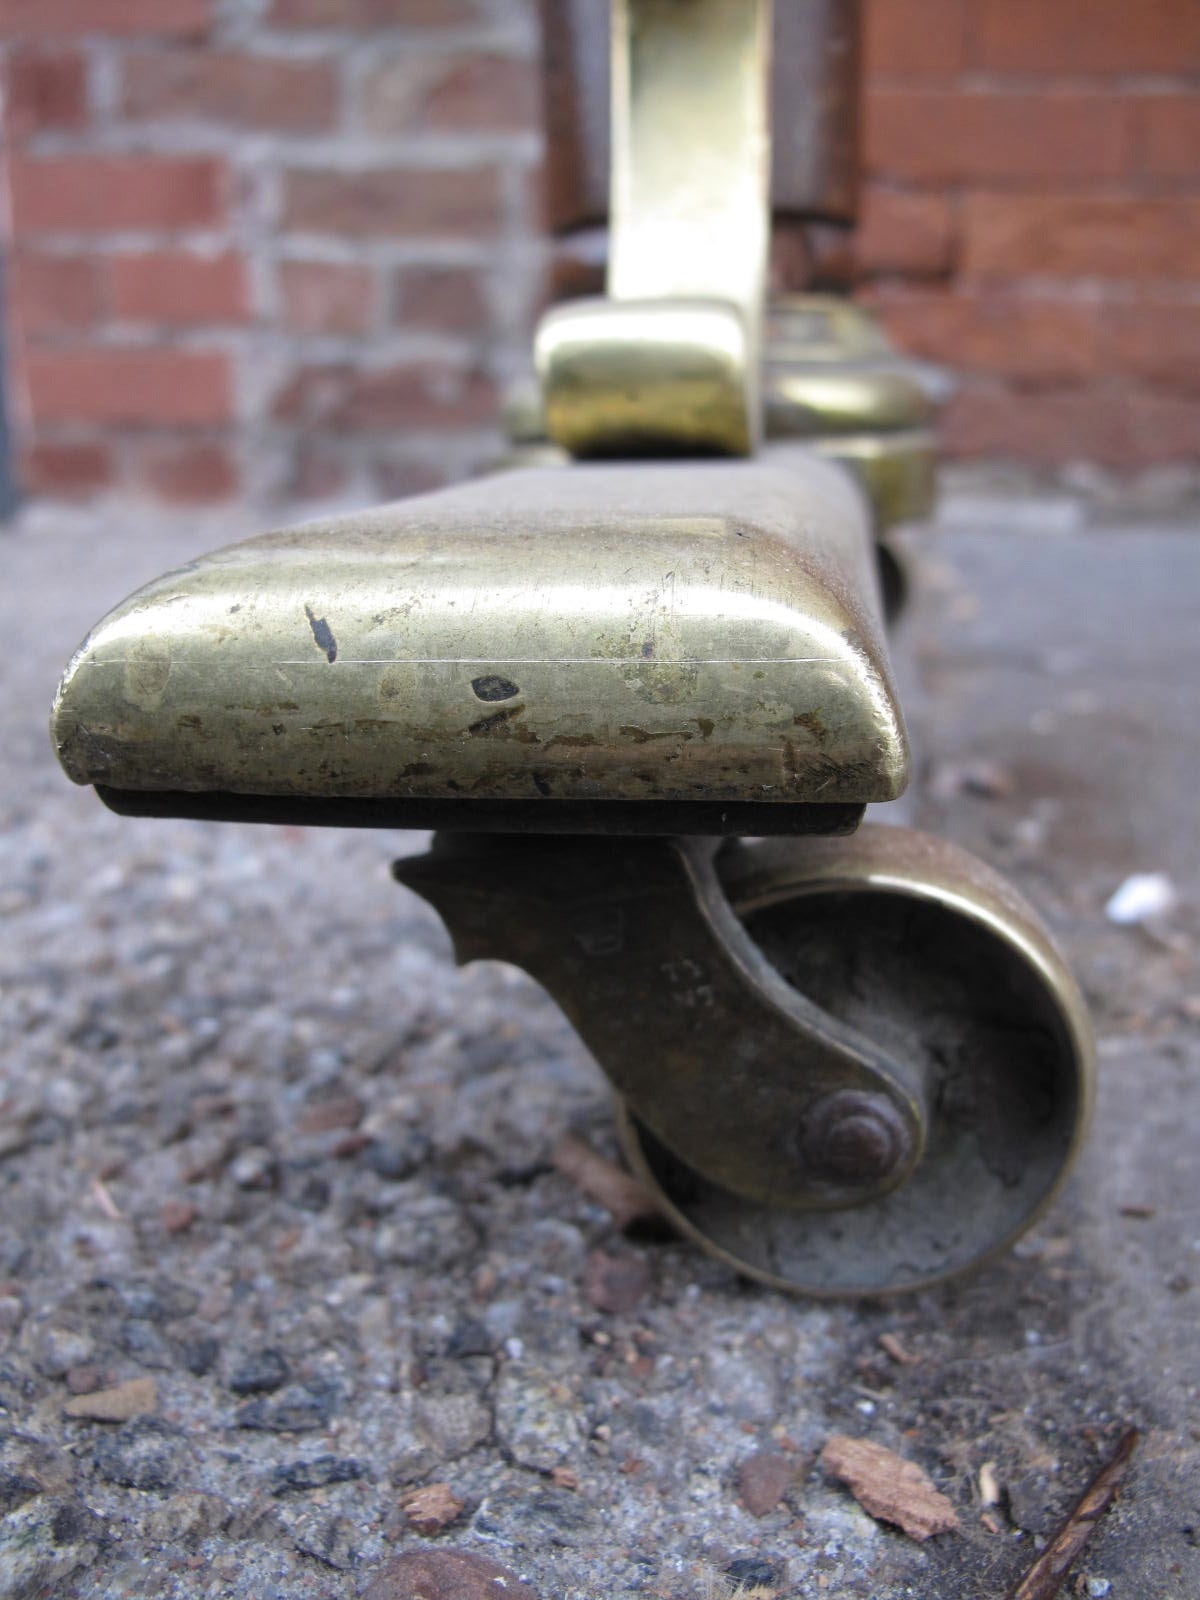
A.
pixel 1047 1574
pixel 137 1398
pixel 892 1346
pixel 888 1487
pixel 432 1508
pixel 603 1181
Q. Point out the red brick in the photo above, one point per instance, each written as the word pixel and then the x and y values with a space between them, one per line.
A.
pixel 424 395
pixel 1170 136
pixel 1087 36
pixel 55 294
pixel 1159 343
pixel 178 289
pixel 102 194
pixel 451 299
pixel 1031 340
pixel 913 38
pixel 478 93
pixel 132 387
pixel 1112 426
pixel 400 202
pixel 46 89
pixel 486 93
pixel 367 15
pixel 327 296
pixel 186 474
pixel 395 93
pixel 1076 425
pixel 67 470
pixel 904 233
pixel 1163 427
pixel 935 137
pixel 32 19
pixel 316 471
pixel 1019 235
pixel 237 90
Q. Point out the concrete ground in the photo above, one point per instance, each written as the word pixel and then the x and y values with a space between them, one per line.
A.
pixel 263 1145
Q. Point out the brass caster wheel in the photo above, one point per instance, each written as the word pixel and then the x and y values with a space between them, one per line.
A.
pixel 932 956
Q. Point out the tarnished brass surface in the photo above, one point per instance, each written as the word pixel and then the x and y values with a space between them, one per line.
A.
pixel 841 397
pixel 690 224
pixel 897 471
pixel 645 377
pixel 737 1073
pixel 706 631
pixel 830 377
pixel 691 145
pixel 922 947
pixel 822 327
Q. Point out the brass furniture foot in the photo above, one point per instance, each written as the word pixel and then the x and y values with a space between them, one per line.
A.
pixel 845 1064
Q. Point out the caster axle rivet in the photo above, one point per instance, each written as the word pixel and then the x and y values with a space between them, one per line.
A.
pixel 855 1139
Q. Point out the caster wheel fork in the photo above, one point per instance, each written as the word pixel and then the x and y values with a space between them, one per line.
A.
pixel 843 1065
pixel 926 949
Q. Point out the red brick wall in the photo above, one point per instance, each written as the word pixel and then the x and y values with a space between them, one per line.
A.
pixel 266 247
pixel 1032 218
pixel 288 247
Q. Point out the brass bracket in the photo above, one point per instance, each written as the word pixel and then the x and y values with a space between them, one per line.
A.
pixel 742 1077
pixel 670 361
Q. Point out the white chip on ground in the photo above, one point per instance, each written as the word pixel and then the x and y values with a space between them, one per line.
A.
pixel 1142 895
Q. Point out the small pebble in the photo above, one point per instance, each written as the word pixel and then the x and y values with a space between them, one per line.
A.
pixel 177 1216
pixel 986 780
pixel 259 1372
pixel 615 1284
pixel 1142 895
pixel 315 1473
pixel 313 1195
pixel 395 1159
pixel 341 1111
pixel 199 1356
pixel 31 1466
pixel 60 1349
pixel 253 1168
pixel 755 1572
pixel 294 1411
pixel 445 1575
pixel 762 1481
pixel 144 1454
pixel 157 1300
